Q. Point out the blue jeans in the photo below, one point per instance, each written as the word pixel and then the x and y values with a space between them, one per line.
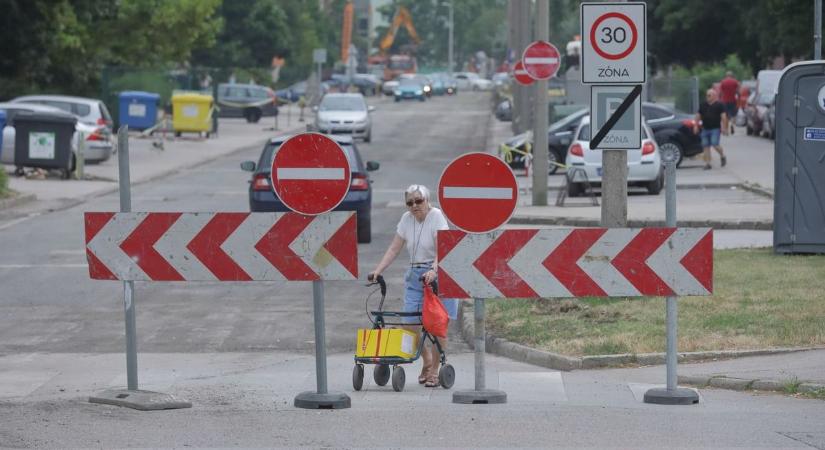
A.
pixel 414 295
pixel 710 137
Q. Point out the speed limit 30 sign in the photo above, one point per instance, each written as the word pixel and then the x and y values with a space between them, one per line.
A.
pixel 614 46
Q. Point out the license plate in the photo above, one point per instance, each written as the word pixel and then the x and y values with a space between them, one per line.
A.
pixel 598 171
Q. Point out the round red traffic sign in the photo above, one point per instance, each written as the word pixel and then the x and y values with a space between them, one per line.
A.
pixel 478 192
pixel 521 75
pixel 310 173
pixel 614 45
pixel 541 60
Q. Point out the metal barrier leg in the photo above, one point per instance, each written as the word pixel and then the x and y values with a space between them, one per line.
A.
pixel 480 395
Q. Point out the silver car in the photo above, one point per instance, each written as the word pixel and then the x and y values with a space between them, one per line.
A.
pixel 9 134
pixel 344 114
pixel 90 112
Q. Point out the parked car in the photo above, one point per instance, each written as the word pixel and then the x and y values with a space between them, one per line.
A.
pixel 504 111
pixel 472 81
pixel 501 79
pixel 409 89
pixel 93 119
pixel 249 101
pixel 295 91
pixel 93 151
pixel 644 165
pixel 389 87
pixel 262 197
pixel 672 130
pixel 770 120
pixel 757 112
pixel 341 113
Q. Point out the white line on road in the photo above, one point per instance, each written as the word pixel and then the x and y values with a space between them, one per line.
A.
pixel 310 173
pixel 488 193
pixel 15 222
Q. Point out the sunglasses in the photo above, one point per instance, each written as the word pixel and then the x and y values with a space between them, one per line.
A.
pixel 417 201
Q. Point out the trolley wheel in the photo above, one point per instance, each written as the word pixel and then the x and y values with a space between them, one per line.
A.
pixel 381 374
pixel 446 376
pixel 358 377
pixel 177 133
pixel 398 378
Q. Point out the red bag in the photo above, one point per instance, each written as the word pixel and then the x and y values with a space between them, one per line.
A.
pixel 434 316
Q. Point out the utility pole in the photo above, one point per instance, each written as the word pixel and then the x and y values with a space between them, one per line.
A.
pixel 540 162
pixel 614 188
pixel 450 42
pixel 524 93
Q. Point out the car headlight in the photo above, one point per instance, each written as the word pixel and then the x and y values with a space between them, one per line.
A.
pixel 426 89
pixel 419 92
pixel 397 92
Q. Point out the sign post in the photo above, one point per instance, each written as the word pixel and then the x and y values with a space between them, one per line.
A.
pixel 471 183
pixel 311 175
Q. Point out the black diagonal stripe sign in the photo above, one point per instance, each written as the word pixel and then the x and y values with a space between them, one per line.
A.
pixel 614 118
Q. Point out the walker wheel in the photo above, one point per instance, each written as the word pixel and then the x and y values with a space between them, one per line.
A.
pixel 381 374
pixel 446 376
pixel 358 377
pixel 398 378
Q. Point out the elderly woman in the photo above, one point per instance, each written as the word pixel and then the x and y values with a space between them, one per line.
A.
pixel 417 230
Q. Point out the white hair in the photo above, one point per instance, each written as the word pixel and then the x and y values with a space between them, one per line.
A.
pixel 420 188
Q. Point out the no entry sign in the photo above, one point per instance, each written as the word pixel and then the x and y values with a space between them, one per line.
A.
pixel 613 42
pixel 520 74
pixel 310 173
pixel 541 60
pixel 477 192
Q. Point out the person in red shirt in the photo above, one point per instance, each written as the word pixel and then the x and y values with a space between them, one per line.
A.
pixel 729 93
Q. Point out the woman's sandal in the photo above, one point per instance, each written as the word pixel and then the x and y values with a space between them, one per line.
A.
pixel 422 379
pixel 432 381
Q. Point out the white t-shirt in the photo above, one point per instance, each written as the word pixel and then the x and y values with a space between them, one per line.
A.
pixel 420 237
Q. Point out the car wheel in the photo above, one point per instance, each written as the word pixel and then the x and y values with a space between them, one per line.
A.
pixel 364 231
pixel 675 147
pixel 655 187
pixel 574 189
pixel 553 161
pixel 252 115
pixel 397 99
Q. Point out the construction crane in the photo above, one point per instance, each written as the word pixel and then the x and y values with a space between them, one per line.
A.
pixel 395 65
pixel 402 17
pixel 346 31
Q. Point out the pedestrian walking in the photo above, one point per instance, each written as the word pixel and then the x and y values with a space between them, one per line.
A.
pixel 713 121
pixel 417 231
pixel 729 89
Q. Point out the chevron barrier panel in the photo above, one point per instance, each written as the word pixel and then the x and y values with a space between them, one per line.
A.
pixel 582 262
pixel 175 246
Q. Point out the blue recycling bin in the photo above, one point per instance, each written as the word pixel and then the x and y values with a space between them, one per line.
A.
pixel 2 125
pixel 138 110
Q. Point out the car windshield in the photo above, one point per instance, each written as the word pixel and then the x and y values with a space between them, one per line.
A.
pixel 408 82
pixel 342 104
pixel 271 149
pixel 567 121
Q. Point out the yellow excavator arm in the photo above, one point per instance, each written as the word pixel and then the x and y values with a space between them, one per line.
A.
pixel 402 16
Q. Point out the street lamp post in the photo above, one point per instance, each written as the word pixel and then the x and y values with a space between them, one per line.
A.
pixel 450 41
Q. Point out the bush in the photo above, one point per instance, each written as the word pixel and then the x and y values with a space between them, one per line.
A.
pixel 4 183
pixel 709 73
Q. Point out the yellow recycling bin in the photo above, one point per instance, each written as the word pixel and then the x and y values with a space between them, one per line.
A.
pixel 192 113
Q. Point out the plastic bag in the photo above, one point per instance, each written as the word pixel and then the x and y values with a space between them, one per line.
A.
pixel 434 316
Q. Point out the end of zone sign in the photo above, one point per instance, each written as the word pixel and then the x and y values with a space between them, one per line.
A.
pixel 614 46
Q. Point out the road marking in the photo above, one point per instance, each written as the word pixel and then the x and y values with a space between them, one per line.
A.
pixel 307 173
pixel 15 222
pixel 487 193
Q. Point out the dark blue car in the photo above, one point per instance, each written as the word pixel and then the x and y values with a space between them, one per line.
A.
pixel 359 197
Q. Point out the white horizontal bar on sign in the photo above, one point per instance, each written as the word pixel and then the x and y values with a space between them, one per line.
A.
pixel 538 60
pixel 310 173
pixel 521 72
pixel 487 193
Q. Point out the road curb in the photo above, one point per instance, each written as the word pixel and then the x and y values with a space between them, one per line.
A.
pixel 16 200
pixel 746 384
pixel 550 360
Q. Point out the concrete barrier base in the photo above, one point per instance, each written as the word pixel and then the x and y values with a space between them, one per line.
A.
pixel 140 400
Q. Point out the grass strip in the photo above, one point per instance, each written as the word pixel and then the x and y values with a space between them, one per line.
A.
pixel 760 300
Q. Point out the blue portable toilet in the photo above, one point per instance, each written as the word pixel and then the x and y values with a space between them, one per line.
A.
pixel 2 125
pixel 138 110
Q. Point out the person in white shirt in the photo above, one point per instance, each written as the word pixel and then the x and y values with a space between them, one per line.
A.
pixel 417 230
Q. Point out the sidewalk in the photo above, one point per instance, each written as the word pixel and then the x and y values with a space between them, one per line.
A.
pixel 147 162
pixel 734 197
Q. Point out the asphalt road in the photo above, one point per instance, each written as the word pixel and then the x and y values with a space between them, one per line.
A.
pixel 241 351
